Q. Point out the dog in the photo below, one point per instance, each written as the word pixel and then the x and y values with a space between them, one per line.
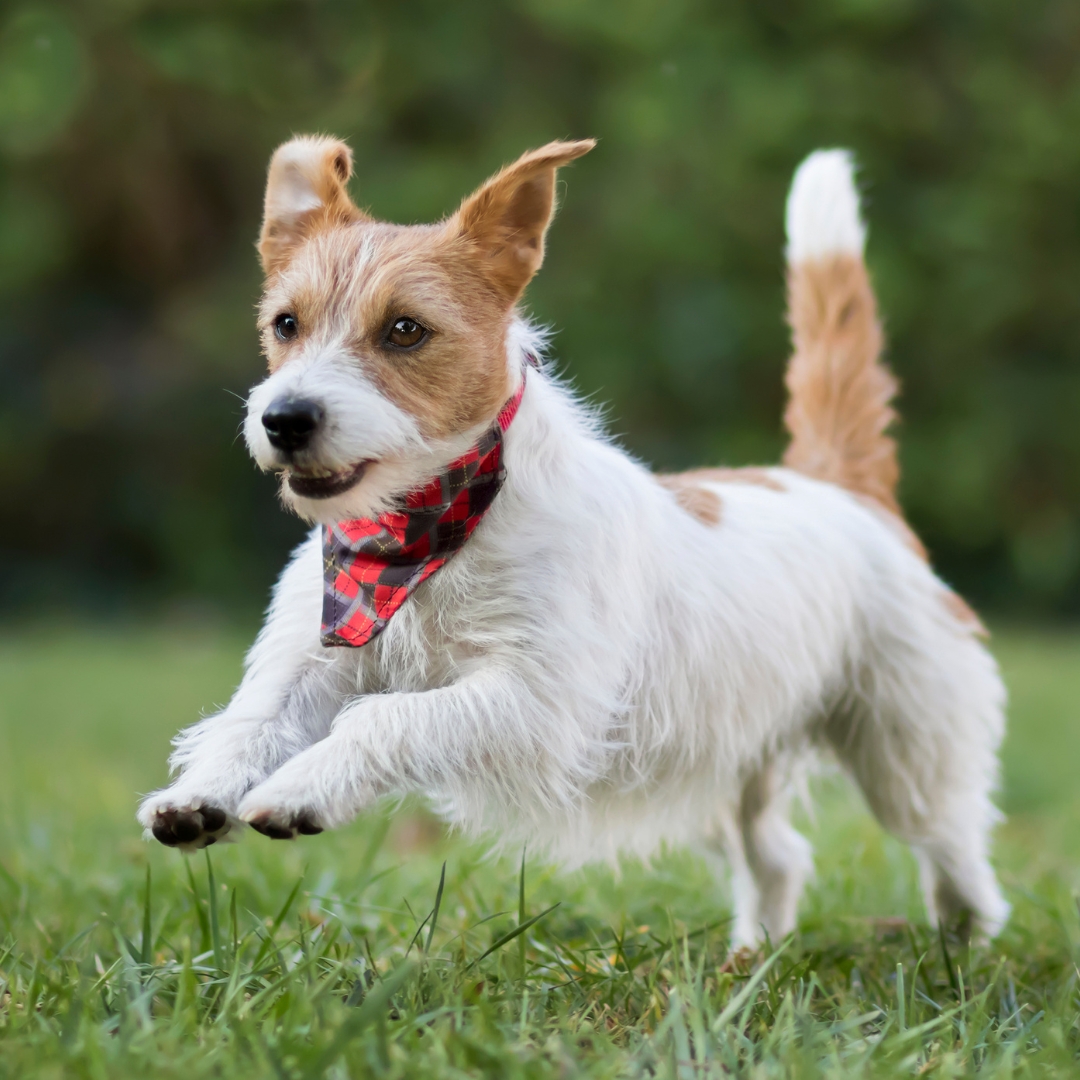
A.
pixel 502 610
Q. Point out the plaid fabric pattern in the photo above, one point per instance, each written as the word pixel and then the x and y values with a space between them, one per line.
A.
pixel 371 567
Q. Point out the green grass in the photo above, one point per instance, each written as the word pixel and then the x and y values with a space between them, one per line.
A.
pixel 323 958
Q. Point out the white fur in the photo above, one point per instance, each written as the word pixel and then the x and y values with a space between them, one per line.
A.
pixel 360 424
pixel 293 190
pixel 823 215
pixel 598 671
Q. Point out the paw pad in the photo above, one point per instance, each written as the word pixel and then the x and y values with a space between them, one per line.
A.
pixel 186 828
pixel 276 828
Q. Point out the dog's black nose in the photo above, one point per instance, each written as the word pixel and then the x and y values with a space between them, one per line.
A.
pixel 291 422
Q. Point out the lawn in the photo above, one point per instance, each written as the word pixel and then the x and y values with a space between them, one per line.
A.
pixel 349 954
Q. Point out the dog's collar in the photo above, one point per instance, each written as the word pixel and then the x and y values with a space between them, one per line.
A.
pixel 372 566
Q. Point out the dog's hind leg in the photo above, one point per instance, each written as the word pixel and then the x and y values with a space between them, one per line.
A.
pixel 922 745
pixel 770 860
pixel 724 848
pixel 779 856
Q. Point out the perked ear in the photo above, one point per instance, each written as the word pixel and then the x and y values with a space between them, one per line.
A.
pixel 507 218
pixel 305 188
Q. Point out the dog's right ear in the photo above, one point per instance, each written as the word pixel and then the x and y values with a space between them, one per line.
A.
pixel 305 190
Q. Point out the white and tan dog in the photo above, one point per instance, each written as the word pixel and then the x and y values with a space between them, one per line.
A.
pixel 614 658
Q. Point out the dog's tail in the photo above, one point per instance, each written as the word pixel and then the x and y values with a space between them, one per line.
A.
pixel 840 391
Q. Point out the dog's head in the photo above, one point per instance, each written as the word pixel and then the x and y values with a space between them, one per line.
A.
pixel 387 344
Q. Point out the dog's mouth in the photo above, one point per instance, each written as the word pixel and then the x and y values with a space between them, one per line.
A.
pixel 313 484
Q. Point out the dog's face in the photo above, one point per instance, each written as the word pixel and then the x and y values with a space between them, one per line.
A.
pixel 386 343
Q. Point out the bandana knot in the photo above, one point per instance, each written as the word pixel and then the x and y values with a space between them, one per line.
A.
pixel 372 566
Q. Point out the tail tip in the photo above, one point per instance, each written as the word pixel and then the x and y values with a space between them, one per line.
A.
pixel 823 216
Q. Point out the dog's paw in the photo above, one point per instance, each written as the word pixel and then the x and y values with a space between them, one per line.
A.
pixel 187 827
pixel 281 810
pixel 316 790
pixel 284 824
pixel 185 821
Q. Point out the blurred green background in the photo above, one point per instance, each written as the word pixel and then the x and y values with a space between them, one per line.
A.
pixel 133 141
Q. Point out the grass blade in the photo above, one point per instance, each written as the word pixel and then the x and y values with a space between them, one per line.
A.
pixel 743 997
pixel 69 1029
pixel 665 946
pixel 948 960
pixel 374 845
pixel 147 940
pixel 374 1009
pixel 268 941
pixel 508 937
pixel 200 914
pixel 435 910
pixel 234 926
pixel 215 926
pixel 521 914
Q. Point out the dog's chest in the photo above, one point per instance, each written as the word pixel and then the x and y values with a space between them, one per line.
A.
pixel 448 626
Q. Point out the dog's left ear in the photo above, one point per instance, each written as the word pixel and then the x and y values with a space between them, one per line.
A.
pixel 507 218
pixel 305 189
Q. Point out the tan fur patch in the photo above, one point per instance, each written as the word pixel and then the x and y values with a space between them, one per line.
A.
pixel 755 476
pixel 704 503
pixel 347 278
pixel 960 610
pixel 697 501
pixel 839 407
pixel 506 220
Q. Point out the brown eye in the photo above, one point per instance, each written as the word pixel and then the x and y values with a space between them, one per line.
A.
pixel 405 333
pixel 286 327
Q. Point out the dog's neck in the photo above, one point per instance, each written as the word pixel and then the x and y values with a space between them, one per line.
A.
pixel 557 456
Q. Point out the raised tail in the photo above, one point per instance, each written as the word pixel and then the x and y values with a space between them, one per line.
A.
pixel 840 391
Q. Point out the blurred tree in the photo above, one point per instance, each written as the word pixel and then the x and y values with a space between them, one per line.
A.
pixel 133 142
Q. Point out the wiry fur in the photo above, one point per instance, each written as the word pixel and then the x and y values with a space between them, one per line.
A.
pixel 599 669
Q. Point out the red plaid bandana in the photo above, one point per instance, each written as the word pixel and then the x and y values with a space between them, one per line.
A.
pixel 370 568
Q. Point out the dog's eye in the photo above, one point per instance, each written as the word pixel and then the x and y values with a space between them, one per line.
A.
pixel 405 333
pixel 286 327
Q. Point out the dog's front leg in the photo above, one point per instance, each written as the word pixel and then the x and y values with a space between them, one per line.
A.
pixel 291 690
pixel 488 730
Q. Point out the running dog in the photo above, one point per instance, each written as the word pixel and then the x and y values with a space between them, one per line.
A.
pixel 502 610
